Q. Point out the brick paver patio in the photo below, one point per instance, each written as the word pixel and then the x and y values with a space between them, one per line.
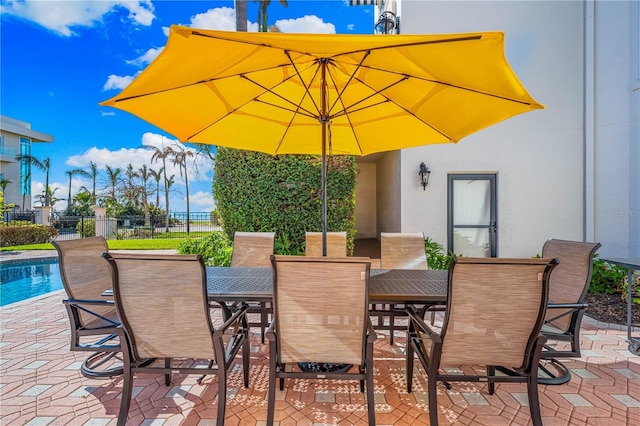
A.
pixel 40 385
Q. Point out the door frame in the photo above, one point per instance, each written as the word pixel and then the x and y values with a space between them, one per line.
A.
pixel 493 220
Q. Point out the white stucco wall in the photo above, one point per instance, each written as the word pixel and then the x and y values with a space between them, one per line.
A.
pixel 366 201
pixel 538 156
pixel 616 179
pixel 388 193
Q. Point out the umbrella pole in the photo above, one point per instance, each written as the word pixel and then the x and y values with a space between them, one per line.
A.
pixel 324 121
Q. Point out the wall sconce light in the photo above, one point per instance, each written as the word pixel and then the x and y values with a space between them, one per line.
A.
pixel 424 175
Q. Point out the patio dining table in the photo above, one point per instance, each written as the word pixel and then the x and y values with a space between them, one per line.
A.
pixel 425 287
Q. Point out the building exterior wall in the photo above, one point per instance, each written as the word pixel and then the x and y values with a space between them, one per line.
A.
pixel 366 199
pixel 388 193
pixel 12 131
pixel 539 156
pixel 615 177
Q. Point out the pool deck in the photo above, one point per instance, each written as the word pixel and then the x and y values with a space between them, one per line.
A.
pixel 40 385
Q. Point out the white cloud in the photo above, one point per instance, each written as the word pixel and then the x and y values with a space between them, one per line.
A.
pixel 117 82
pixel 62 16
pixel 221 19
pixel 146 58
pixel 202 201
pixel 307 24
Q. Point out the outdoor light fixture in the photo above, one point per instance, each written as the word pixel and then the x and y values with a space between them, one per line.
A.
pixel 424 175
pixel 387 24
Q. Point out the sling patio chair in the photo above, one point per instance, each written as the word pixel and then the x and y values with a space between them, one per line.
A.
pixel 324 322
pixel 494 313
pixel 336 244
pixel 254 250
pixel 568 287
pixel 398 251
pixel 93 318
pixel 162 303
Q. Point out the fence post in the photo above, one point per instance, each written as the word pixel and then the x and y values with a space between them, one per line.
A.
pixel 101 221
pixel 45 215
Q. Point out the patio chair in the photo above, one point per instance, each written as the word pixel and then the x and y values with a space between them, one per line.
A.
pixel 162 302
pixel 325 321
pixel 336 244
pixel 398 251
pixel 568 287
pixel 92 316
pixel 254 250
pixel 497 327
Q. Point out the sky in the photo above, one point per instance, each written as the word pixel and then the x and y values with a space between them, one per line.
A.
pixel 59 59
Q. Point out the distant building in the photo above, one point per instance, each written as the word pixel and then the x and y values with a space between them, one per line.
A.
pixel 16 138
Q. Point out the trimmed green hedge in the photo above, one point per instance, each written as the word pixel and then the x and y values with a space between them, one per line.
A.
pixel 256 192
pixel 26 234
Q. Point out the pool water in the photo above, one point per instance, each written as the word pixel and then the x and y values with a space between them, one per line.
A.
pixel 25 279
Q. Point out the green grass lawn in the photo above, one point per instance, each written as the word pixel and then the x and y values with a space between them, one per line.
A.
pixel 155 244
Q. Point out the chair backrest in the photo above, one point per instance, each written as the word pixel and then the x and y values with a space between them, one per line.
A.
pixel 85 274
pixel 252 249
pixel 495 310
pixel 570 280
pixel 162 303
pixel 321 308
pixel 402 251
pixel 336 244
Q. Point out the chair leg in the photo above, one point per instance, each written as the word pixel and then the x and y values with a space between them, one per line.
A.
pixel 534 401
pixel 433 398
pixel 371 405
pixel 167 376
pixel 271 392
pixel 246 353
pixel 127 391
pixel 222 394
pixel 409 363
pixel 491 371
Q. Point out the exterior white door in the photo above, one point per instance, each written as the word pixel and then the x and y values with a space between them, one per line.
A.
pixel 472 215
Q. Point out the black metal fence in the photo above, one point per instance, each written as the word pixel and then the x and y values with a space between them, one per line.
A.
pixel 134 227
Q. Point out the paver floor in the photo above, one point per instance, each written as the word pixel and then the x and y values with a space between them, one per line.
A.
pixel 40 385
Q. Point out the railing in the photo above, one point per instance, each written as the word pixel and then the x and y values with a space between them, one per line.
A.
pixel 134 227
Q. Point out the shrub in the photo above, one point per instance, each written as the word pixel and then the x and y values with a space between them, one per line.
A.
pixel 257 192
pixel 26 234
pixel 86 228
pixel 436 256
pixel 215 248
pixel 607 278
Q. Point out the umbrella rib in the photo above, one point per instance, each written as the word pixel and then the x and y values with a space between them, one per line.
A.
pixel 298 107
pixel 351 77
pixel 306 86
pixel 444 83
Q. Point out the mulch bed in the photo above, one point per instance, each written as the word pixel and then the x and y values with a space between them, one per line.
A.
pixel 611 308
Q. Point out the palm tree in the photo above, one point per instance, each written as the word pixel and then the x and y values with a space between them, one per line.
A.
pixel 43 165
pixel 162 154
pixel 3 184
pixel 94 172
pixel 241 15
pixel 157 176
pixel 48 196
pixel 26 179
pixel 262 13
pixel 180 156
pixel 113 175
pixel 144 175
pixel 71 174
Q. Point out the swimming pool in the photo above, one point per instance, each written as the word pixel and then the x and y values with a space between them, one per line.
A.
pixel 25 279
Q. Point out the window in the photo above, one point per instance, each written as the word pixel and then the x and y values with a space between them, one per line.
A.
pixel 25 167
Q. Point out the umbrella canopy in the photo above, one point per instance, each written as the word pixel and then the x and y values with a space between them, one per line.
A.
pixel 311 93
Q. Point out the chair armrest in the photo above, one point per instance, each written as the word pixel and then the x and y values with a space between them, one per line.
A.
pixel 87 302
pixel 573 307
pixel 237 315
pixel 371 333
pixel 552 305
pixel 422 326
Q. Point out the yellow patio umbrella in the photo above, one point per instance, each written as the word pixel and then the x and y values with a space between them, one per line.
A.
pixel 282 93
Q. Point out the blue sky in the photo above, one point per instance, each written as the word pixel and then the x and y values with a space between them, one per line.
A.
pixel 61 58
